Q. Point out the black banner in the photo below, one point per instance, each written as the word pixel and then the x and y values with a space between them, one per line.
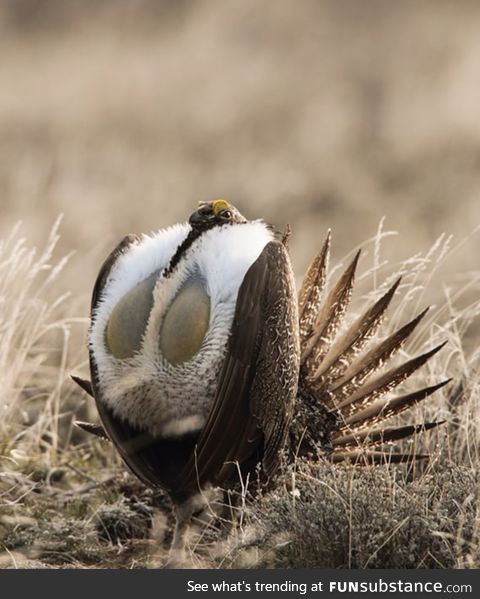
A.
pixel 195 584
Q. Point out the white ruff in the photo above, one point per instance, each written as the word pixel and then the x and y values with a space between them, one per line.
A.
pixel 147 390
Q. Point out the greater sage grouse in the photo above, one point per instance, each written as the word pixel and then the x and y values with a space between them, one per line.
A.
pixel 206 368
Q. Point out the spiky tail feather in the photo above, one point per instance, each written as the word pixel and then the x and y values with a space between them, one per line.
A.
pixel 340 399
pixel 337 403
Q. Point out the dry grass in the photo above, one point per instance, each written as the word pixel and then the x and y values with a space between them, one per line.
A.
pixel 33 343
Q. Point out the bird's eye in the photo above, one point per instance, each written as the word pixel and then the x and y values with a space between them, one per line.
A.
pixel 226 214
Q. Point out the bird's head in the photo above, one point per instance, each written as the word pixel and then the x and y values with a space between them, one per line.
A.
pixel 216 213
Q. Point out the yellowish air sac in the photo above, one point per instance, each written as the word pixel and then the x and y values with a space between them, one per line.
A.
pixel 129 319
pixel 186 323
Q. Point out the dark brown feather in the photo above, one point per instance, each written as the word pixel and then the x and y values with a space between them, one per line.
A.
pixel 386 382
pixel 257 386
pixel 342 352
pixel 387 408
pixel 381 436
pixel 93 429
pixel 360 370
pixel 309 299
pixel 83 383
pixel 329 318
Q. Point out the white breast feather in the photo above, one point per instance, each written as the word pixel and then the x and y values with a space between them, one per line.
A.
pixel 147 390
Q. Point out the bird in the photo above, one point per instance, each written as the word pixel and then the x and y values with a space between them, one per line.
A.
pixel 209 369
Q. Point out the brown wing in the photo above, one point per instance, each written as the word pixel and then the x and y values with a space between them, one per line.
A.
pixel 253 405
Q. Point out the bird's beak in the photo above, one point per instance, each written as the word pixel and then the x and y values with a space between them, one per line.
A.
pixel 201 216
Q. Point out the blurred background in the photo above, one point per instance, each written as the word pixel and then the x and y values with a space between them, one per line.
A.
pixel 122 115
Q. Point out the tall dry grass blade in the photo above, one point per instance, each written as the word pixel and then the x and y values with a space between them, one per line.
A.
pixel 33 342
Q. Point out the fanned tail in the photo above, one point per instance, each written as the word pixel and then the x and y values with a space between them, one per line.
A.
pixel 328 319
pixel 360 370
pixel 387 408
pixel 311 291
pixel 342 352
pixel 371 391
pixel 340 407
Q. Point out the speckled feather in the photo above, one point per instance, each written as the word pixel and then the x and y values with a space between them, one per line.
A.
pixel 336 403
pixel 252 411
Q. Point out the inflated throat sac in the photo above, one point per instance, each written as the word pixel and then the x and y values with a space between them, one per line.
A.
pixel 186 323
pixel 129 318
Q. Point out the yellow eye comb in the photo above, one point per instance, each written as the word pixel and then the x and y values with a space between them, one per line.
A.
pixel 219 205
